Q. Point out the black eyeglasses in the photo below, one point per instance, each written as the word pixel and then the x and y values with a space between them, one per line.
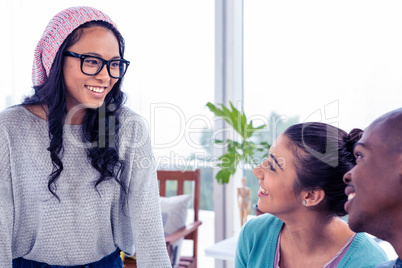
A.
pixel 92 65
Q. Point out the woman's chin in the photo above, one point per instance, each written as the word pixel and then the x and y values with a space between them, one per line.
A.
pixel 261 206
pixel 93 105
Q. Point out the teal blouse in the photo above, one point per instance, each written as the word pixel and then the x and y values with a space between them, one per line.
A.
pixel 258 238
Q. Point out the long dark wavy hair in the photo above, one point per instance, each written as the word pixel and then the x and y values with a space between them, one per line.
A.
pixel 323 154
pixel 103 153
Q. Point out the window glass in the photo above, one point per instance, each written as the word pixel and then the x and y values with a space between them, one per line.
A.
pixel 337 62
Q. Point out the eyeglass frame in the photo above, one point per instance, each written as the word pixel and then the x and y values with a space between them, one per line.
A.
pixel 107 62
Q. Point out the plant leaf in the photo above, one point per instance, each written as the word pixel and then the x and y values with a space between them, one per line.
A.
pixel 236 152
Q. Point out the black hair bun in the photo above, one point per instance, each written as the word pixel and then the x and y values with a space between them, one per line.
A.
pixel 352 138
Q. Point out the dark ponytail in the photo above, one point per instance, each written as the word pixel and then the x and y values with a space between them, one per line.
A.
pixel 350 141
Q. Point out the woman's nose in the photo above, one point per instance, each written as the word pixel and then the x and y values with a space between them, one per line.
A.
pixel 103 74
pixel 257 171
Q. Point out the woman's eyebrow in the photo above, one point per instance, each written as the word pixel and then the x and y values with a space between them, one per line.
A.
pixel 100 56
pixel 276 161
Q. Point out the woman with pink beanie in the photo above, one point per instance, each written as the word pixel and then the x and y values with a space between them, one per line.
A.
pixel 77 173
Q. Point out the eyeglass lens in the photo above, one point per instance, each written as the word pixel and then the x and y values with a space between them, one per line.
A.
pixel 116 68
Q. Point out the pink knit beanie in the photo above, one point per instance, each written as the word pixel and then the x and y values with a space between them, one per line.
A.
pixel 59 27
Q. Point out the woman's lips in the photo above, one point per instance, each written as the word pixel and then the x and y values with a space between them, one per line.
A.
pixel 96 89
pixel 262 192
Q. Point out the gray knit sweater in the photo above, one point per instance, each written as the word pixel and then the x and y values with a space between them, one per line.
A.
pixel 87 224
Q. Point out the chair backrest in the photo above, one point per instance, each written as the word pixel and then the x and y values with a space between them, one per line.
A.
pixel 190 231
pixel 181 177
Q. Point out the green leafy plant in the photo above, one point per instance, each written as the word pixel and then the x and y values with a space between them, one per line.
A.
pixel 237 152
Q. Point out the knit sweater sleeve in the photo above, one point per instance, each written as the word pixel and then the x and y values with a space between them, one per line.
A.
pixel 143 199
pixel 6 204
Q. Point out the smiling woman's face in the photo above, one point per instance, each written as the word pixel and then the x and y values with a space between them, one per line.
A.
pixel 86 90
pixel 277 176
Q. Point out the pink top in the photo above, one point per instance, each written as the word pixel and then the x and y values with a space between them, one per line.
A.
pixel 331 264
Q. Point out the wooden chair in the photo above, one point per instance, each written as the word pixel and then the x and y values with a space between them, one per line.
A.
pixel 190 231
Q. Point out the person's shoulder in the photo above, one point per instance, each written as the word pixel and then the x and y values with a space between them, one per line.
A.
pixel 263 218
pixel 126 111
pixel 388 264
pixel 369 243
pixel 13 114
pixel 133 128
pixel 262 223
pixel 361 247
pixel 11 111
pixel 260 233
pixel 129 116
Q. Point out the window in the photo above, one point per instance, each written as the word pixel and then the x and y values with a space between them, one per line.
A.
pixel 335 62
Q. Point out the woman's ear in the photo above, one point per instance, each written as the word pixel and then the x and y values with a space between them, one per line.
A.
pixel 313 197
